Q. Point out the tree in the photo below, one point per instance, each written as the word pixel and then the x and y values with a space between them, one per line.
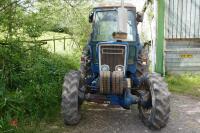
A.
pixel 19 18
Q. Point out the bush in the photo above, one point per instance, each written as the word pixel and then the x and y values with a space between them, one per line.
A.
pixel 31 82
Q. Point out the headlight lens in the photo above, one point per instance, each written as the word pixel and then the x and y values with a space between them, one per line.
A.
pixel 105 68
pixel 119 68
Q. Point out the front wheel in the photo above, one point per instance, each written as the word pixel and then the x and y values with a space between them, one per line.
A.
pixel 72 97
pixel 155 111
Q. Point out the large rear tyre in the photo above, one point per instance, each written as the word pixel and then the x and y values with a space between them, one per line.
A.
pixel 155 113
pixel 72 97
pixel 142 68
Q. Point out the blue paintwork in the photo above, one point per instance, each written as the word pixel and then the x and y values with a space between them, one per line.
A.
pixel 127 99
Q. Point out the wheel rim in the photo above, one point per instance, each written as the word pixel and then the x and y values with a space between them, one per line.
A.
pixel 146 112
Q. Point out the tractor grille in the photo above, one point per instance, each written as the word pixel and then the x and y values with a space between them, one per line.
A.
pixel 112 55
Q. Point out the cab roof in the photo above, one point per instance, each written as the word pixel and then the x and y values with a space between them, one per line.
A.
pixel 114 5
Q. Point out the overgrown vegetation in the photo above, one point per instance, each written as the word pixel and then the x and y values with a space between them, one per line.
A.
pixel 30 76
pixel 187 84
pixel 31 83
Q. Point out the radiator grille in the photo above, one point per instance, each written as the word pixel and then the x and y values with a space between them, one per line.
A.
pixel 112 55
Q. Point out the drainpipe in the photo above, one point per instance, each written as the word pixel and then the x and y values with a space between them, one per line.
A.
pixel 160 35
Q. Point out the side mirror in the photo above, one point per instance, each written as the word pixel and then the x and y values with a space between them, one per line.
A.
pixel 91 16
pixel 139 16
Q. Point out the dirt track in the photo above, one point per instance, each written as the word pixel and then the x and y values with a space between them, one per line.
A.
pixel 185 118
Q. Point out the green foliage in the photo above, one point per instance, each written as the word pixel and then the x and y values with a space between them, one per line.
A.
pixel 30 76
pixel 73 20
pixel 31 82
pixel 29 19
pixel 33 28
pixel 184 84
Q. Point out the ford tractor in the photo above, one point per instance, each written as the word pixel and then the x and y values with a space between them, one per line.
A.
pixel 115 69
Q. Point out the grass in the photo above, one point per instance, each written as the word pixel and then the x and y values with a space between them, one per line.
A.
pixel 186 84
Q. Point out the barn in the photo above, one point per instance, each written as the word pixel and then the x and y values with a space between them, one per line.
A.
pixel 177 36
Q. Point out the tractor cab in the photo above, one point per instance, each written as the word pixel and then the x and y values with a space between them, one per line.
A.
pixel 114 25
pixel 110 20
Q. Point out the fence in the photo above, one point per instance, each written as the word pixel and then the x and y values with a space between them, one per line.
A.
pixel 63 44
pixel 66 42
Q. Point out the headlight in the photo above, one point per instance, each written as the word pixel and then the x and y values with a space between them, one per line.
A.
pixel 105 68
pixel 119 68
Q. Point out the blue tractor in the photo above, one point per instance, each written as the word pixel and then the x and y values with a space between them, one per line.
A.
pixel 114 69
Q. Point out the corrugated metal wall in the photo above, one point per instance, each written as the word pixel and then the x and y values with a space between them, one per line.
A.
pixel 182 36
pixel 182 19
pixel 180 58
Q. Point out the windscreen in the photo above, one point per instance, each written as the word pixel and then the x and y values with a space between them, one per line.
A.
pixel 106 22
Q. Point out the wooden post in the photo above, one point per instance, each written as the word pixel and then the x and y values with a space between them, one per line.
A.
pixel 54 44
pixel 64 43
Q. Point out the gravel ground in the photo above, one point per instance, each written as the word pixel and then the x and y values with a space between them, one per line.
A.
pixel 185 118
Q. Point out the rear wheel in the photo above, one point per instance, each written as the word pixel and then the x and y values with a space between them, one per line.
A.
pixel 154 112
pixel 142 63
pixel 72 98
